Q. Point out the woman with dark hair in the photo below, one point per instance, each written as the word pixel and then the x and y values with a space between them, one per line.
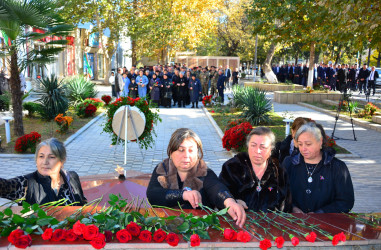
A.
pixel 167 91
pixel 319 182
pixel 184 179
pixel 154 86
pixel 49 183
pixel 255 178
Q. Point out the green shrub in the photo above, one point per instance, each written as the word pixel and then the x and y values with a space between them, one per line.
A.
pixel 254 104
pixel 5 100
pixel 53 100
pixel 95 101
pixel 79 88
pixel 32 107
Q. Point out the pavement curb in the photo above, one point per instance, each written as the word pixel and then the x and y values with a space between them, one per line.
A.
pixel 83 129
pixel 361 123
pixel 216 127
pixel 67 142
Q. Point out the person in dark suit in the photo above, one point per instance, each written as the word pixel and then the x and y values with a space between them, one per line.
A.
pixel 352 78
pixel 342 78
pixel 363 75
pixel 220 84
pixel 298 74
pixel 373 75
pixel 228 74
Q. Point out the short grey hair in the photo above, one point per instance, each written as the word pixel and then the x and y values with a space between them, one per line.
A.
pixel 311 128
pixel 57 148
pixel 261 131
pixel 179 136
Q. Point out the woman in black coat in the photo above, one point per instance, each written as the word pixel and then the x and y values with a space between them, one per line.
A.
pixel 167 91
pixel 319 182
pixel 194 90
pixel 254 178
pixel 49 183
pixel 184 179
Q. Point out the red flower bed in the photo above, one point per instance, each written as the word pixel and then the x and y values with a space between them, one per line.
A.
pixel 106 99
pixel 235 137
pixel 86 109
pixel 28 141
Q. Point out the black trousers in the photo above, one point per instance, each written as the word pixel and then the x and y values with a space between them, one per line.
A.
pixel 221 94
pixel 372 84
pixel 362 85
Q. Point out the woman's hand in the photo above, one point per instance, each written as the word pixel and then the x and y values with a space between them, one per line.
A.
pixel 236 211
pixel 297 210
pixel 242 203
pixel 193 197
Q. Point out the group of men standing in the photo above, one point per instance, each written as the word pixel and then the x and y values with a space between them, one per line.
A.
pixel 181 84
pixel 337 77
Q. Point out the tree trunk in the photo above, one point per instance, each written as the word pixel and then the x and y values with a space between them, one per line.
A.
pixel 296 58
pixel 16 95
pixel 310 81
pixel 338 55
pixel 133 52
pixel 271 77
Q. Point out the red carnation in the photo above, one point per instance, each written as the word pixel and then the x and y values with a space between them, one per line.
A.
pixel 243 236
pixel 108 235
pixel 99 241
pixel 145 235
pixel 264 244
pixel 70 235
pixel 47 235
pixel 78 228
pixel 230 234
pixel 23 241
pixel 311 237
pixel 159 235
pixel 294 241
pixel 90 232
pixel 58 234
pixel 172 239
pixel 123 236
pixel 195 240
pixel 279 242
pixel 342 237
pixel 335 240
pixel 14 235
pixel 133 229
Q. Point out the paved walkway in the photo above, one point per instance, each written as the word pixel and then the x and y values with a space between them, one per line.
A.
pixel 91 153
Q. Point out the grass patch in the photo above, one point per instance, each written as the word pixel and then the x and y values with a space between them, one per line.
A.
pixel 46 129
pixel 223 115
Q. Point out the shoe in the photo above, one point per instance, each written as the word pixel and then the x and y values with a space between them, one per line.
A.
pixel 179 106
pixel 192 107
pixel 184 106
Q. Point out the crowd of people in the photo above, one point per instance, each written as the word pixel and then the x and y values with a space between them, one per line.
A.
pixel 300 175
pixel 173 85
pixel 338 77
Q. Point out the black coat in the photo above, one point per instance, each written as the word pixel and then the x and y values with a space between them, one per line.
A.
pixel 282 149
pixel 331 190
pixel 238 175
pixel 166 189
pixel 37 189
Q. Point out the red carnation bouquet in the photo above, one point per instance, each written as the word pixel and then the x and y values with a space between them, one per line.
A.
pixel 235 137
pixel 28 141
pixel 106 99
pixel 207 100
pixel 85 109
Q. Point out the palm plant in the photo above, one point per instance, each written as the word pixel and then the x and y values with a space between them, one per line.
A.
pixel 53 100
pixel 254 104
pixel 79 88
pixel 16 17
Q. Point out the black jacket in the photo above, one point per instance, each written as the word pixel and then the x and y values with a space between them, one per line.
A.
pixel 166 189
pixel 282 149
pixel 238 175
pixel 331 190
pixel 36 188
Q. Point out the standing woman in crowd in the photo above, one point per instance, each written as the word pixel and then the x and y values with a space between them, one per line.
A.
pixel 175 89
pixel 319 182
pixel 167 91
pixel 194 90
pixel 187 80
pixel 142 82
pixel 254 178
pixel 181 90
pixel 133 89
pixel 155 86
pixel 49 183
pixel 126 83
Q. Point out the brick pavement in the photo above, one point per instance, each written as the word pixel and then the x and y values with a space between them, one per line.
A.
pixel 91 153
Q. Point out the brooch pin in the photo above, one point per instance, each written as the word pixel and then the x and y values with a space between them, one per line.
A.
pixel 321 177
pixel 270 188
